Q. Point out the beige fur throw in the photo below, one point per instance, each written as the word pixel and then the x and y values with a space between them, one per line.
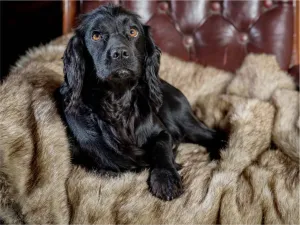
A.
pixel 255 182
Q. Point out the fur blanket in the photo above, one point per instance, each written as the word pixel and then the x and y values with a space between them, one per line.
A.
pixel 256 180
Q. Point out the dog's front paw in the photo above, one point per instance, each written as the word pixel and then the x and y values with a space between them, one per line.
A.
pixel 165 184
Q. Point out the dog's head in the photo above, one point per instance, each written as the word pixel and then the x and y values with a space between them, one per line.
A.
pixel 112 46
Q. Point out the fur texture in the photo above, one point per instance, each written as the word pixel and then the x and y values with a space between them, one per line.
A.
pixel 286 136
pixel 33 131
pixel 253 82
pixel 251 184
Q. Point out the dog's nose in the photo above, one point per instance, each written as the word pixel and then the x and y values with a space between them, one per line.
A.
pixel 119 53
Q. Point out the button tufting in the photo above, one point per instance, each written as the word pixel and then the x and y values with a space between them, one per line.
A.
pixel 215 6
pixel 163 6
pixel 188 41
pixel 268 3
pixel 245 26
pixel 243 37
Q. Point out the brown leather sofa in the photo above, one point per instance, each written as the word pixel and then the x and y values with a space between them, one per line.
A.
pixel 215 33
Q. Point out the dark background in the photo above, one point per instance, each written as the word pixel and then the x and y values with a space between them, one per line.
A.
pixel 25 24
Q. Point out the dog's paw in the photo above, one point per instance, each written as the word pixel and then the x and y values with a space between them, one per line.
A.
pixel 165 184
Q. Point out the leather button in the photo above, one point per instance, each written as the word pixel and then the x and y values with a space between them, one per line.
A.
pixel 268 3
pixel 163 6
pixel 243 37
pixel 215 6
pixel 188 41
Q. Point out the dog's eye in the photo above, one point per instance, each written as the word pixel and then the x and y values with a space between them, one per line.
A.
pixel 96 36
pixel 133 32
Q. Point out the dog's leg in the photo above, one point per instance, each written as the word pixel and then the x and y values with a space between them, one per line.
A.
pixel 177 116
pixel 164 180
pixel 198 133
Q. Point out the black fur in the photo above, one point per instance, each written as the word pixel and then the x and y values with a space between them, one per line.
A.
pixel 120 115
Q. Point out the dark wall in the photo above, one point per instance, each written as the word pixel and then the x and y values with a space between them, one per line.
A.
pixel 25 24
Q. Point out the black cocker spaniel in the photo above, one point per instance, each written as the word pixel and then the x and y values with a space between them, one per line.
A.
pixel 120 115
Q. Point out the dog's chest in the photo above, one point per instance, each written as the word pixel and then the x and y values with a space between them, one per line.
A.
pixel 127 133
pixel 123 144
pixel 117 131
pixel 127 119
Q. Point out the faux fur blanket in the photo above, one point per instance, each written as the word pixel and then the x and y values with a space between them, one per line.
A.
pixel 256 180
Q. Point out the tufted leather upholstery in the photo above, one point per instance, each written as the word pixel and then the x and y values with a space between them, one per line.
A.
pixel 216 33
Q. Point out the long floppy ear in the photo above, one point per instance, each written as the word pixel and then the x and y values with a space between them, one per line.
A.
pixel 74 70
pixel 152 80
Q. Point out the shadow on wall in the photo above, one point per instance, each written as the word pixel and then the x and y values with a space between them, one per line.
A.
pixel 26 24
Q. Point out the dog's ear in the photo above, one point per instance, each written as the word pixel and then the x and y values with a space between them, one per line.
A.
pixel 152 80
pixel 74 70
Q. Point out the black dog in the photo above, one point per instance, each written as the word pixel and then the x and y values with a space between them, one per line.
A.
pixel 121 116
